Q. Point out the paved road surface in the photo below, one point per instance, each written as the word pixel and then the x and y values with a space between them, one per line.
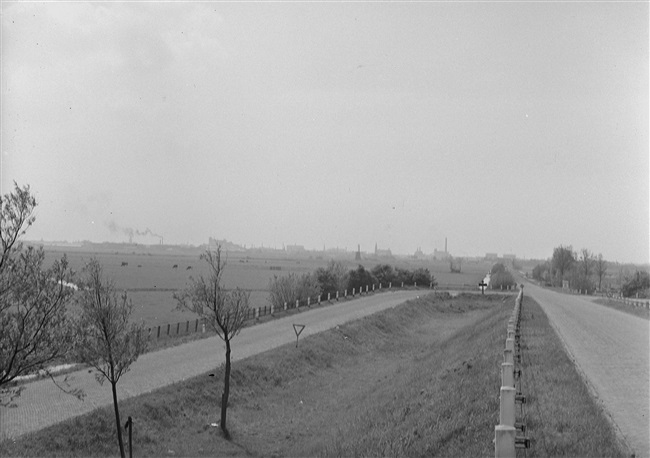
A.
pixel 42 404
pixel 612 349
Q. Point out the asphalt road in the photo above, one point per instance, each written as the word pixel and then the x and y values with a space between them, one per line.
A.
pixel 612 350
pixel 43 404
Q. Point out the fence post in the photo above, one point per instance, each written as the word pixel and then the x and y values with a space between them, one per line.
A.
pixel 168 326
pixel 178 327
pixel 402 284
pixel 196 326
pixel 337 296
pixel 319 298
pixel 366 288
pixel 507 406
pixel 158 335
pixel 507 375
pixel 504 441
pixel 390 284
pixel 297 303
pixel 373 286
pixel 352 292
pixel 308 301
pixel 328 297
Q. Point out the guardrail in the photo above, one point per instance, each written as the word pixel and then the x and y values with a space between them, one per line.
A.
pixel 506 439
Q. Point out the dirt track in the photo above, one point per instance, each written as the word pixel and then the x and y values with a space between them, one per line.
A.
pixel 43 404
pixel 612 350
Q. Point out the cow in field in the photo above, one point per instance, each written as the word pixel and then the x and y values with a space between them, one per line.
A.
pixel 188 268
pixel 124 263
pixel 175 266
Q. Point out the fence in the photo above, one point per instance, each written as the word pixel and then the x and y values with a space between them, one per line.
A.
pixel 197 325
pixel 506 439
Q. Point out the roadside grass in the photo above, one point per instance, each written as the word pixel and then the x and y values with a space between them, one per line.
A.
pixel 562 416
pixel 627 308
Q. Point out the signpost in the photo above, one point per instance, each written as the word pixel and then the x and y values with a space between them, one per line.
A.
pixel 482 285
pixel 297 328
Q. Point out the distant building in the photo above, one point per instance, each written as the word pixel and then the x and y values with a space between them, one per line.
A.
pixel 491 256
pixel 383 253
pixel 419 254
pixel 440 254
pixel 295 249
pixel 225 245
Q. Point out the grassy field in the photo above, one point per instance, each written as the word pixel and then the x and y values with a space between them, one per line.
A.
pixel 150 279
pixel 421 379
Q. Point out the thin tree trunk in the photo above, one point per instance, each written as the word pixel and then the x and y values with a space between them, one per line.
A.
pixel 226 390
pixel 117 419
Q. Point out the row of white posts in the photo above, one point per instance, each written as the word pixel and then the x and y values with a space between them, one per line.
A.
pixel 505 433
pixel 329 299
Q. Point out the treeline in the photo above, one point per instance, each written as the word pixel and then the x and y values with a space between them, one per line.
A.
pixel 585 272
pixel 335 277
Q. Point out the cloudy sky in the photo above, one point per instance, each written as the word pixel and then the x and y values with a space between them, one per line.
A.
pixel 508 127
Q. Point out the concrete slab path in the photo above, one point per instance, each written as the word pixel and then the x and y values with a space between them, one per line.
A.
pixel 43 404
pixel 612 350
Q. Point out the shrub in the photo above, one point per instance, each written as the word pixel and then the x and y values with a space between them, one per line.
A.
pixel 639 283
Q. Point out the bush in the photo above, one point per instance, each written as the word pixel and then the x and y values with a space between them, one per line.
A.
pixel 639 283
pixel 331 279
pixel 360 278
pixel 502 280
pixel 292 288
pixel 384 274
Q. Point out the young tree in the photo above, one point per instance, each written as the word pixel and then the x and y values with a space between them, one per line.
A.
pixel 34 327
pixel 224 311
pixel 105 338
pixel 562 262
pixel 586 262
pixel 601 269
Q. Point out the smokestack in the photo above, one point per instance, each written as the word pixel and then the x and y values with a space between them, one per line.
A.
pixel 445 244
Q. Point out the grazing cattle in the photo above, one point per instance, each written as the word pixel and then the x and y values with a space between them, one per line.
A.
pixel 139 265
pixel 124 263
pixel 175 266
pixel 188 268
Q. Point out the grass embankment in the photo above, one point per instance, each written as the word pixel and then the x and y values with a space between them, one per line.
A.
pixel 642 312
pixel 562 417
pixel 420 379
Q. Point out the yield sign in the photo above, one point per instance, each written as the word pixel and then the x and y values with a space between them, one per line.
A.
pixel 297 328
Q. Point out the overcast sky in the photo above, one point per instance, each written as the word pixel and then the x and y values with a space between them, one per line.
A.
pixel 505 127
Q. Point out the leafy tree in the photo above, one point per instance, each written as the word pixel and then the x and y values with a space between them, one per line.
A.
pixel 638 283
pixel 600 266
pixel 403 276
pixel 105 338
pixel 423 277
pixel 562 262
pixel 331 278
pixel 34 326
pixel 497 268
pixel 541 272
pixel 224 311
pixel 359 278
pixel 455 264
pixel 384 274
